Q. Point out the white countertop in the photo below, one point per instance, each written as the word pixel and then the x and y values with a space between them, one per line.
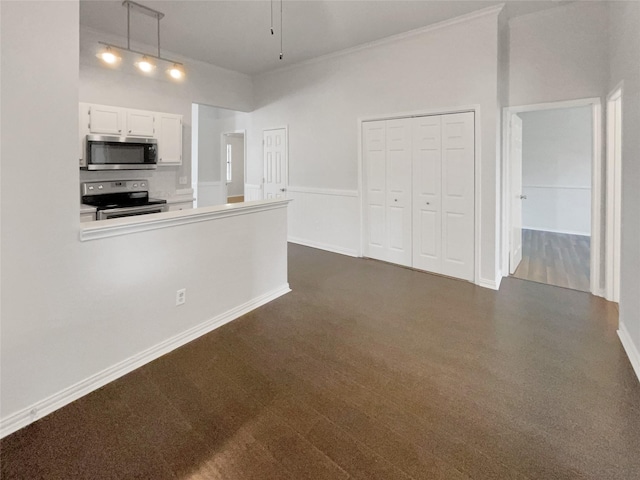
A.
pixel 181 199
pixel 87 209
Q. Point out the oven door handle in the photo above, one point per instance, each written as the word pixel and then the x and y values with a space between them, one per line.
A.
pixel 104 214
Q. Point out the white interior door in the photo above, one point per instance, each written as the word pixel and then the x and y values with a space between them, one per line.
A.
pixel 275 163
pixel 458 195
pixel 374 150
pixel 515 163
pixel 398 191
pixel 427 212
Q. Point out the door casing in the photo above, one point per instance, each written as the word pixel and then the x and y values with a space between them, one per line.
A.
pixel 596 182
pixel 614 194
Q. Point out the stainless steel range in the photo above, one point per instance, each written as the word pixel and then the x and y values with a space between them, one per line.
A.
pixel 121 198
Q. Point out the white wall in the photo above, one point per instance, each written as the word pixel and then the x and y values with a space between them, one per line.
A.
pixel 321 102
pixel 125 86
pixel 559 54
pixel 556 170
pixel 72 309
pixel 625 55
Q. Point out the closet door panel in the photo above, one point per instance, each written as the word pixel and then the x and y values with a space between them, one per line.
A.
pixel 427 219
pixel 398 195
pixel 374 150
pixel 458 179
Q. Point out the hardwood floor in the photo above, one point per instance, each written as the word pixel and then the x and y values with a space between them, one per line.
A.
pixel 555 259
pixel 365 371
pixel 236 199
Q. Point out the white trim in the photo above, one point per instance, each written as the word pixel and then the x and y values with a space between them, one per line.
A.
pixel 154 221
pixel 613 202
pixel 596 178
pixel 559 187
pixel 494 9
pixel 491 284
pixel 616 92
pixel 324 191
pixel 28 415
pixel 324 246
pixel 477 173
pixel 597 235
pixel 535 107
pixel 550 230
pixel 630 348
pixel 420 113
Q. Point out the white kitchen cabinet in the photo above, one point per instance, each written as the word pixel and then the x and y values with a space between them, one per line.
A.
pixel 140 123
pixel 127 122
pixel 169 134
pixel 106 120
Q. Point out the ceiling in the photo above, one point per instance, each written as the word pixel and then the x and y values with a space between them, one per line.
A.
pixel 236 34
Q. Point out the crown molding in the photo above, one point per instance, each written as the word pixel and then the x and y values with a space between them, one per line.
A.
pixel 484 12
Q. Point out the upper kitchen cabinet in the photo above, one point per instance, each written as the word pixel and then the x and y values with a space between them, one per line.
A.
pixel 106 120
pixel 169 136
pixel 140 123
pixel 129 122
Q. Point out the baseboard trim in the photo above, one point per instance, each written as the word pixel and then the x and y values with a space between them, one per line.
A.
pixel 492 284
pixel 324 246
pixel 58 400
pixel 629 348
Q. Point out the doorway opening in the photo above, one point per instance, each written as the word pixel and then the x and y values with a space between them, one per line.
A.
pixel 218 152
pixel 233 144
pixel 554 194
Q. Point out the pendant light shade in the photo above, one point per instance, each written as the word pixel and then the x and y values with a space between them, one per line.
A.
pixel 176 72
pixel 109 56
pixel 146 64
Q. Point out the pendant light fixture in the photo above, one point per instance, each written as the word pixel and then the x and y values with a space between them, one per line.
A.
pixel 176 71
pixel 271 6
pixel 109 56
pixel 281 52
pixel 146 62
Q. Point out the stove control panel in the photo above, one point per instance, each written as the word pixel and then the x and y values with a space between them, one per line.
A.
pixel 115 186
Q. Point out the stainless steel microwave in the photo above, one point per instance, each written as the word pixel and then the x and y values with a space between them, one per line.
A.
pixel 120 153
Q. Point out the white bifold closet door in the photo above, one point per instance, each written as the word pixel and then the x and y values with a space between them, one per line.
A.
pixel 420 192
pixel 388 184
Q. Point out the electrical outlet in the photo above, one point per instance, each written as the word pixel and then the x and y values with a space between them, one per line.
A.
pixel 183 180
pixel 181 296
